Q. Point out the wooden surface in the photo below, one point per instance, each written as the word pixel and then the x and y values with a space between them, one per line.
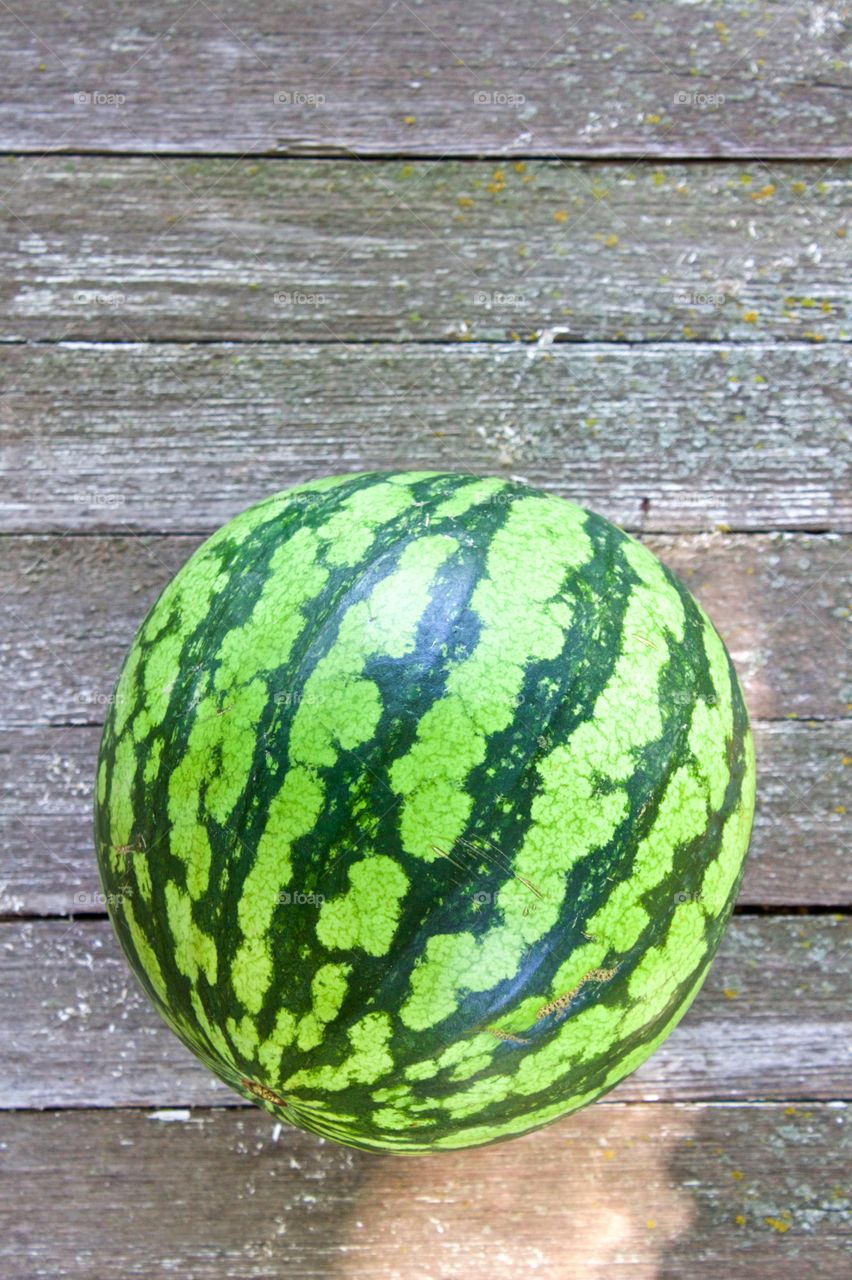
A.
pixel 653 1191
pixel 425 78
pixel 753 437
pixel 138 249
pixel 598 247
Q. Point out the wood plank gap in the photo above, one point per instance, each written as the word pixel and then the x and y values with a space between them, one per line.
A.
pixel 644 157
pixel 72 342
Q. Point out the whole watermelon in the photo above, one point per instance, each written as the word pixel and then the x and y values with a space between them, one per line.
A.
pixel 422 805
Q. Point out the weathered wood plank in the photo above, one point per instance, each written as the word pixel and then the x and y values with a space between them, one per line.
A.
pixel 47 864
pixel 656 437
pixel 137 249
pixel 773 1021
pixel 69 607
pixel 427 78
pixel 646 1191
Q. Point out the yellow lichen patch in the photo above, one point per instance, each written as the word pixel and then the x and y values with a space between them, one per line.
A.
pixel 194 950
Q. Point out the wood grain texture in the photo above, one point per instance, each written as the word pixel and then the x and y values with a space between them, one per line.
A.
pixel 428 78
pixel 655 437
pixel 650 1192
pixel 772 1021
pixel 798 852
pixel 70 606
pixel 160 249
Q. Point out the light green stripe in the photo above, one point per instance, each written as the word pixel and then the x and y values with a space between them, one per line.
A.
pixel 340 709
pixel 350 532
pixel 476 1135
pixel 194 950
pixel 526 565
pixel 650 987
pixel 328 988
pixel 222 741
pixel 468 496
pixel 367 915
pixel 292 813
pixel 270 1050
pixel 147 956
pixel 369 1061
pixel 121 815
pixel 721 874
pixel 597 1028
pixel 571 816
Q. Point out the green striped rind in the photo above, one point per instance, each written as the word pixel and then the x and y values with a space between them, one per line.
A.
pixel 424 800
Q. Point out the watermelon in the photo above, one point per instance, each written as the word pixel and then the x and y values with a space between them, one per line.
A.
pixel 422 805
